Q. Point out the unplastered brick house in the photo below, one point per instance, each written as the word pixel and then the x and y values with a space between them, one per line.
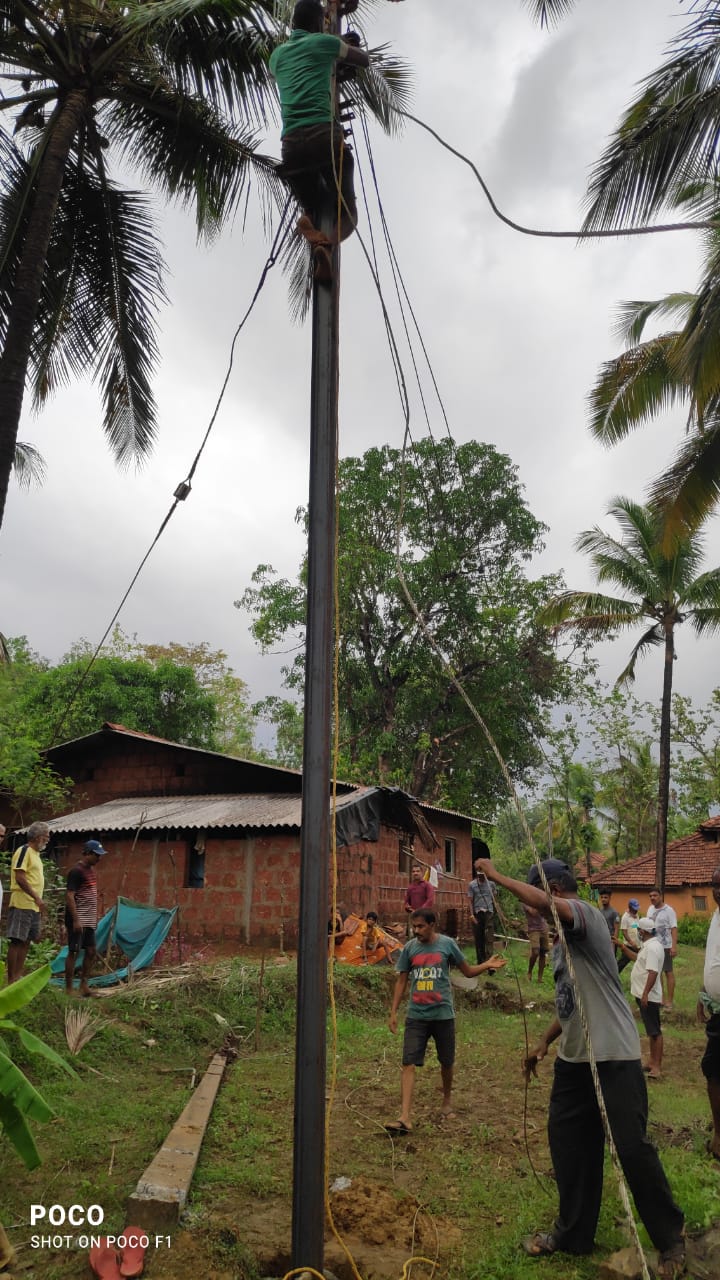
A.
pixel 219 837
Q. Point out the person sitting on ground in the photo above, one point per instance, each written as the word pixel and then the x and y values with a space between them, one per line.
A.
pixel 373 939
pixel 629 933
pixel 315 156
pixel 81 907
pixel 575 1126
pixel 646 987
pixel 424 963
pixel 538 936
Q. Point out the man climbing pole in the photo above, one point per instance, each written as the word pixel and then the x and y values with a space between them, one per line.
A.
pixel 315 157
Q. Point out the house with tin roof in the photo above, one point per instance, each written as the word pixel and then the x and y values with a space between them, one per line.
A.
pixel 691 861
pixel 218 837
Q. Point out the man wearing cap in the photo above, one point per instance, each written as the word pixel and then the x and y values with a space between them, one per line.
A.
pixel 575 1127
pixel 81 915
pixel 629 933
pixel 27 885
pixel 646 987
pixel 708 1012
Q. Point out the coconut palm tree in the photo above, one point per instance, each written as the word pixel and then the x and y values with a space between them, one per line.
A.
pixel 177 90
pixel 156 84
pixel 679 366
pixel 661 586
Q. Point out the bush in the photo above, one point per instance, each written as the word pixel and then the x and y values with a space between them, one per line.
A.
pixel 693 930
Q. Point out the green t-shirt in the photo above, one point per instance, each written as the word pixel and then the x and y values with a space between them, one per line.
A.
pixel 303 68
pixel 428 964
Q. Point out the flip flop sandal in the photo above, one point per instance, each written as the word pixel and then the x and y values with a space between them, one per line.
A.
pixel 540 1245
pixel 133 1255
pixel 104 1261
pixel 396 1127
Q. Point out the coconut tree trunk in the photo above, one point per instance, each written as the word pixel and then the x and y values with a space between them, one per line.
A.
pixel 27 286
pixel 664 774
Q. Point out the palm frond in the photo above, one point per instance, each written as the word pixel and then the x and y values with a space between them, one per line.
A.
pixel 667 135
pixel 383 90
pixel 188 152
pixel 635 387
pixel 689 489
pixel 650 639
pixel 548 11
pixel 297 265
pixel 29 466
pixel 589 612
pixel 632 317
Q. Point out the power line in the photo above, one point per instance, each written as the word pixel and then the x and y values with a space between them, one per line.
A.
pixel 709 225
pixel 184 488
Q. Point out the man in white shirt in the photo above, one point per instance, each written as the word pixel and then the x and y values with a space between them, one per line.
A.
pixel 666 932
pixel 708 1012
pixel 646 987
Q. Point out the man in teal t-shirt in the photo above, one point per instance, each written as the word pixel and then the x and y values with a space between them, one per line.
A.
pixel 424 963
pixel 315 157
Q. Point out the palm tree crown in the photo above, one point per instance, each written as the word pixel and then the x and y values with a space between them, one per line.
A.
pixel 179 90
pixel 660 586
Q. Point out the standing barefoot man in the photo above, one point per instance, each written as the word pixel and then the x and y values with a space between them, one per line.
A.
pixel 425 962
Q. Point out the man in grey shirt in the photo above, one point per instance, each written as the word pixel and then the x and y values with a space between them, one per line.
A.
pixel 482 908
pixel 575 1128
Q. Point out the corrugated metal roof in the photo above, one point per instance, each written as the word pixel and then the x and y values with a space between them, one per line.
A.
pixel 198 812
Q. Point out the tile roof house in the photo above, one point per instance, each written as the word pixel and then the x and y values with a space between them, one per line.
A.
pixel 219 837
pixel 691 861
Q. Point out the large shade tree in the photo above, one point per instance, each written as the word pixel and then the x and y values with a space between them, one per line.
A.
pixel 175 90
pixel 664 588
pixel 465 534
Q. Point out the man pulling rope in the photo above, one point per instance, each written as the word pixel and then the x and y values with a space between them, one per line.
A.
pixel 575 1128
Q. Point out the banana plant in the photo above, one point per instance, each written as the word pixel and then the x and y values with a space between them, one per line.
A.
pixel 20 1102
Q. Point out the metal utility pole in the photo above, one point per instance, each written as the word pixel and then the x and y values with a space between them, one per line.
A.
pixel 308 1221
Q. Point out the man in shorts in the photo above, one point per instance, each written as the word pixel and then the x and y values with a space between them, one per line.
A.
pixel 708 1012
pixel 81 915
pixel 646 987
pixel 27 884
pixel 424 963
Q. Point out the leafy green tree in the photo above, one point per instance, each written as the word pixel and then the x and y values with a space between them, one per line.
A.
pixel 662 587
pixel 465 535
pixel 25 780
pixel 234 718
pixel 67 701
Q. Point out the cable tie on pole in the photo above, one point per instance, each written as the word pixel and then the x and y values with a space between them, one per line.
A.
pixel 182 490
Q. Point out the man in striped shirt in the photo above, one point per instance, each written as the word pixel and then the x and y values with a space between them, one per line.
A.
pixel 81 915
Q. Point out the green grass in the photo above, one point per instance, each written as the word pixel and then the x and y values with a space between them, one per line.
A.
pixel 474 1173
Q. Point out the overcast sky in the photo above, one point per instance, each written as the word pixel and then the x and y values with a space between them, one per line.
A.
pixel 515 327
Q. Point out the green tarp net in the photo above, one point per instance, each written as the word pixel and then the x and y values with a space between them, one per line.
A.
pixel 136 930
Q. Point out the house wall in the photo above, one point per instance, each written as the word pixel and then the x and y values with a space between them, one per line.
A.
pixel 122 766
pixel 251 883
pixel 680 899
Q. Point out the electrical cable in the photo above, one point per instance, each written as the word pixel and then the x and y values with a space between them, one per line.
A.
pixel 709 225
pixel 184 488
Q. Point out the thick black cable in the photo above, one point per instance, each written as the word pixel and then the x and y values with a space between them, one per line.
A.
pixel 710 225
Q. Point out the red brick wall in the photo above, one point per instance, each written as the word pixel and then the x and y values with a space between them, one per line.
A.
pixel 252 884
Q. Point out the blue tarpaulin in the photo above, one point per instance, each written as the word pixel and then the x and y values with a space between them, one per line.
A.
pixel 138 931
